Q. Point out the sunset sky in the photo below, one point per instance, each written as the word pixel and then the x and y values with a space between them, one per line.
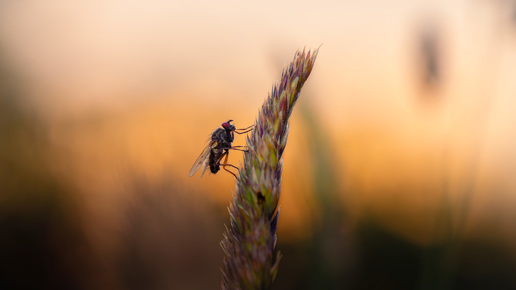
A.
pixel 413 99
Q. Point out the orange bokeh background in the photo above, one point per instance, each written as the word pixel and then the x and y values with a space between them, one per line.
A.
pixel 406 123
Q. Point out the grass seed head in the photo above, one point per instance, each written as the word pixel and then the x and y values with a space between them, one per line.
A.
pixel 248 244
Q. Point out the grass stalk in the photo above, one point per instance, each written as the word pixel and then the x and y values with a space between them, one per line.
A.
pixel 250 261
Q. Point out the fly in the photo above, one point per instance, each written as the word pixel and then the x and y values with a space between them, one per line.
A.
pixel 218 147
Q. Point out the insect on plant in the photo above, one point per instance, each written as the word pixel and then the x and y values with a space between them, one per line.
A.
pixel 217 148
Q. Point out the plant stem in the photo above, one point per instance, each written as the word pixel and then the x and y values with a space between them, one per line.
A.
pixel 249 243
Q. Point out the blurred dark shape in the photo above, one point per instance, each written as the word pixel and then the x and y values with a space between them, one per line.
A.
pixel 390 262
pixel 430 56
pixel 168 239
pixel 370 256
pixel 327 258
pixel 514 12
pixel 485 265
pixel 41 239
pixel 332 255
pixel 386 260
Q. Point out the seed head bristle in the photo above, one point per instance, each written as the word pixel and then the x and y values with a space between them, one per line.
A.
pixel 248 244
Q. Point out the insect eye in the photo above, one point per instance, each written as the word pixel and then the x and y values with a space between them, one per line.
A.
pixel 227 124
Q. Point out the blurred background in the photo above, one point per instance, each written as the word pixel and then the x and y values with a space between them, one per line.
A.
pixel 398 172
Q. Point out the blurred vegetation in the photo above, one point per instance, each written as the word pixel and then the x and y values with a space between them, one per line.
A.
pixel 169 235
pixel 41 239
pixel 169 231
pixel 166 239
pixel 348 254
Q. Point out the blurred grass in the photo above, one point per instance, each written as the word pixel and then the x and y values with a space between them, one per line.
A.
pixel 168 231
pixel 168 237
pixel 118 213
pixel 41 238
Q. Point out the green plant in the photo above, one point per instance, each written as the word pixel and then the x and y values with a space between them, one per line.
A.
pixel 249 243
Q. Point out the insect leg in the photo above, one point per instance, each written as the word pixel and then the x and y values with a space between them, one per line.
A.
pixel 226 154
pixel 226 164
pixel 243 150
pixel 233 148
pixel 245 130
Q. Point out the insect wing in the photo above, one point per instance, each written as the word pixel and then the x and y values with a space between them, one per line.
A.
pixel 204 166
pixel 202 160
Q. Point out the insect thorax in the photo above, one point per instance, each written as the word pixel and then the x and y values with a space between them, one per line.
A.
pixel 223 137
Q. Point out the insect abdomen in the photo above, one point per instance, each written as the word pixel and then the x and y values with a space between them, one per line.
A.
pixel 214 166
